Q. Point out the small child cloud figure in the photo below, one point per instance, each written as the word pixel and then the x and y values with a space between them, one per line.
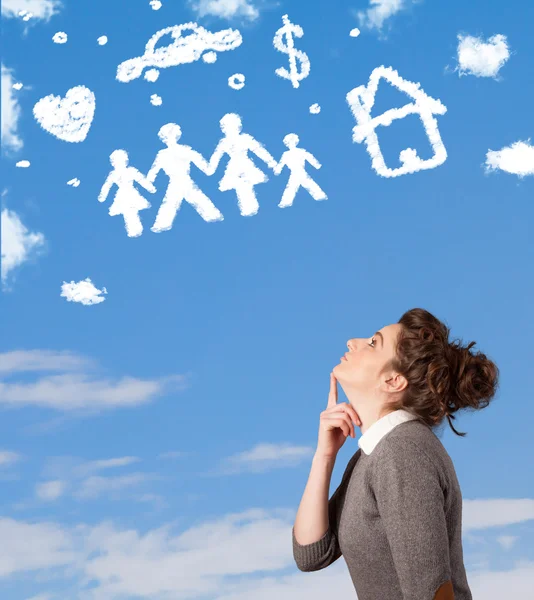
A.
pixel 128 201
pixel 83 292
pixel 295 160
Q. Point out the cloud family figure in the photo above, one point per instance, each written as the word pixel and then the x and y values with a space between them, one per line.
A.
pixel 241 174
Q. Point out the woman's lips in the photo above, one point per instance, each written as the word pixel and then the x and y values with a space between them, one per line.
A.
pixel 343 358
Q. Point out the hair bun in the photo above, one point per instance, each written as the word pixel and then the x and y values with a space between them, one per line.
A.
pixel 443 377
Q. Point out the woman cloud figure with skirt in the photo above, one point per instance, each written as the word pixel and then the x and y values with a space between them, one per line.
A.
pixel 241 173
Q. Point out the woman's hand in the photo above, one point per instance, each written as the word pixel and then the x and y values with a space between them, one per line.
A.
pixel 336 423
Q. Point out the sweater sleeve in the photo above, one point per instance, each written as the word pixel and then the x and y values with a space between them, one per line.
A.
pixel 322 553
pixel 411 504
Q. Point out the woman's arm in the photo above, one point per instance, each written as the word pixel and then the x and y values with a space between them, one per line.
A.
pixel 315 544
pixel 261 152
pixel 110 180
pixel 216 157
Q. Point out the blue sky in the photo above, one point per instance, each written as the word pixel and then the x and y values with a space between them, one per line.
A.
pixel 170 428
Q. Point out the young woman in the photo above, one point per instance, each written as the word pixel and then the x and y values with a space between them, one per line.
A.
pixel 396 516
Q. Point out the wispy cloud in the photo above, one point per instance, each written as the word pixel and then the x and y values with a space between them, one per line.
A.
pixel 517 159
pixel 74 389
pixel 10 112
pixel 380 11
pixel 81 479
pixel 94 466
pixel 18 244
pixel 42 360
pixel 481 58
pixel 96 485
pixel 8 458
pixel 226 9
pixel 264 457
pixel 39 9
pixel 50 490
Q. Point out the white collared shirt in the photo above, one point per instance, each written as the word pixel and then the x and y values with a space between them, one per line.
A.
pixel 380 428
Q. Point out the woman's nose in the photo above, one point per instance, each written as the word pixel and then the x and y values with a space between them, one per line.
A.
pixel 349 345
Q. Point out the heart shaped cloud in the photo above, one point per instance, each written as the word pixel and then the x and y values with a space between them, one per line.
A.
pixel 68 118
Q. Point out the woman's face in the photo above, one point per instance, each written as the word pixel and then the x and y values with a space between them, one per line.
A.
pixel 361 368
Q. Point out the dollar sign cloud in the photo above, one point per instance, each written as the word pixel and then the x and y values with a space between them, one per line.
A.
pixel 283 42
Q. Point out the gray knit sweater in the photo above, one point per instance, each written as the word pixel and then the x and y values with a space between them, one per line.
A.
pixel 396 518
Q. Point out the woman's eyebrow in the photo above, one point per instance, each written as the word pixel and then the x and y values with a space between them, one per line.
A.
pixel 381 337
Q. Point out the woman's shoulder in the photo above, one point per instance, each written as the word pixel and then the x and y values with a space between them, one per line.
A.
pixel 418 440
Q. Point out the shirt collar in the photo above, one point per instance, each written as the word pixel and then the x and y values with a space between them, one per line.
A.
pixel 380 428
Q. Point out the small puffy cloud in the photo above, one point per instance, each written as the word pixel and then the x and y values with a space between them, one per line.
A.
pixel 380 11
pixel 39 9
pixel 517 159
pixel 481 58
pixel 226 9
pixel 83 292
pixel 8 458
pixel 18 243
pixel 50 490
pixel 10 112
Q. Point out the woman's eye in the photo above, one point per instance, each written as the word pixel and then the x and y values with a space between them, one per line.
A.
pixel 372 342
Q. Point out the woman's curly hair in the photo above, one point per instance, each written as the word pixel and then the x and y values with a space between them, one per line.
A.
pixel 442 376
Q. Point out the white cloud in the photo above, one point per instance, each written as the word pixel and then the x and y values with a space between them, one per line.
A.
pixel 480 58
pixel 218 558
pixel 42 360
pixel 18 243
pixel 102 464
pixel 8 458
pixel 77 391
pixel 96 485
pixel 50 490
pixel 39 9
pixel 62 474
pixel 264 457
pixel 226 9
pixel 83 292
pixel 517 159
pixel 507 541
pixel 10 112
pixel 379 11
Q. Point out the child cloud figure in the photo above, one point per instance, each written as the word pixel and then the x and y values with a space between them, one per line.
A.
pixel 295 160
pixel 128 201
pixel 175 161
pixel 241 173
